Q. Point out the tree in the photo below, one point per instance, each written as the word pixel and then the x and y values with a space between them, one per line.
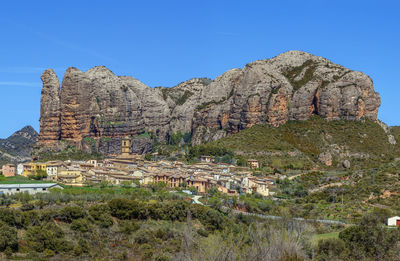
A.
pixel 39 175
pixel 147 157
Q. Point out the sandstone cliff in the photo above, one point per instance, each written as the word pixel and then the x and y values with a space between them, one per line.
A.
pixel 98 105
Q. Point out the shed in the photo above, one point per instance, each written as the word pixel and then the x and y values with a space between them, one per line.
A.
pixel 29 188
pixel 394 221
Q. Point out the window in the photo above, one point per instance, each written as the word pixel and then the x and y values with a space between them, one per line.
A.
pixel 17 189
pixel 44 189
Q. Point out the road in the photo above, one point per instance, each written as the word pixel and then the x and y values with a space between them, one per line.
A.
pixel 236 212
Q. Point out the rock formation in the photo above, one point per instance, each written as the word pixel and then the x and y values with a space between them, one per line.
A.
pixel 294 85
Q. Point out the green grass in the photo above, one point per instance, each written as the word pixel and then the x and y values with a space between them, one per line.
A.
pixel 319 237
pixel 20 180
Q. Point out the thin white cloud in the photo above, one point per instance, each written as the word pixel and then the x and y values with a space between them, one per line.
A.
pixel 13 83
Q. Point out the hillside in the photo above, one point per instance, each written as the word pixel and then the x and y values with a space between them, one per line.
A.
pixel 305 144
pixel 17 148
pixel 94 109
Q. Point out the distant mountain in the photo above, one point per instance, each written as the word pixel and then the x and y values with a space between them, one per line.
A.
pixel 17 148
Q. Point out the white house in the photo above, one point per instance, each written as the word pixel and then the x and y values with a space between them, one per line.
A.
pixel 20 168
pixel 52 169
pixel 394 221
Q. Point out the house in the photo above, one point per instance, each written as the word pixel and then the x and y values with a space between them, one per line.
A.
pixel 202 185
pixel 170 179
pixel 28 188
pixel 206 159
pixel 142 177
pixel 32 168
pixel 52 168
pixel 20 168
pixel 8 170
pixel 71 176
pixel 253 164
pixel 224 190
pixel 394 221
pixel 93 162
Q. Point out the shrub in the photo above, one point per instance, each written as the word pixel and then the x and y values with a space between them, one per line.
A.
pixel 101 216
pixel 128 227
pixel 202 232
pixel 123 208
pixel 212 220
pixel 48 236
pixel 11 217
pixel 68 214
pixel 331 248
pixel 49 253
pixel 144 236
pixel 82 225
pixel 8 237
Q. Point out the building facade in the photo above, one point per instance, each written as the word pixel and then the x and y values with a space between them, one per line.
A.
pixel 8 170
pixel 27 188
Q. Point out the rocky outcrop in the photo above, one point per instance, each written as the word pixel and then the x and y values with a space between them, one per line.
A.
pixel 291 86
pixel 50 110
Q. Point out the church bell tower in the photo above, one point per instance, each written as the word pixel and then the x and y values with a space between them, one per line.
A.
pixel 126 146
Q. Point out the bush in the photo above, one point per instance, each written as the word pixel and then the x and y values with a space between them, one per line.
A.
pixel 213 220
pixel 82 225
pixel 331 248
pixel 49 253
pixel 202 232
pixel 11 217
pixel 101 216
pixel 68 214
pixel 81 247
pixel 123 208
pixel 8 237
pixel 144 236
pixel 49 236
pixel 128 227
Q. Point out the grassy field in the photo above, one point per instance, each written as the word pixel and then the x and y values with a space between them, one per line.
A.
pixel 19 180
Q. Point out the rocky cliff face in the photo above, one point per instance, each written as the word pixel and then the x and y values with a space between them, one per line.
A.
pixel 294 85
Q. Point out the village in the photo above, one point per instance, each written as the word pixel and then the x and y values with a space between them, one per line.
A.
pixel 131 168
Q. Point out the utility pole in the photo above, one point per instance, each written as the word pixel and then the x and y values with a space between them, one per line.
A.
pixel 342 196
pixel 373 176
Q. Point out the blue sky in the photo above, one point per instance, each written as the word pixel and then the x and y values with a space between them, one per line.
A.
pixel 163 43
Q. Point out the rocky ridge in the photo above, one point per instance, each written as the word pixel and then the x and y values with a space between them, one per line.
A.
pixel 17 148
pixel 295 85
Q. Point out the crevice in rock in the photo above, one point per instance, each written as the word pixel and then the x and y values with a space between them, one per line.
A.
pixel 315 103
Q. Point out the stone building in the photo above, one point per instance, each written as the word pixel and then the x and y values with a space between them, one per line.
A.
pixel 253 164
